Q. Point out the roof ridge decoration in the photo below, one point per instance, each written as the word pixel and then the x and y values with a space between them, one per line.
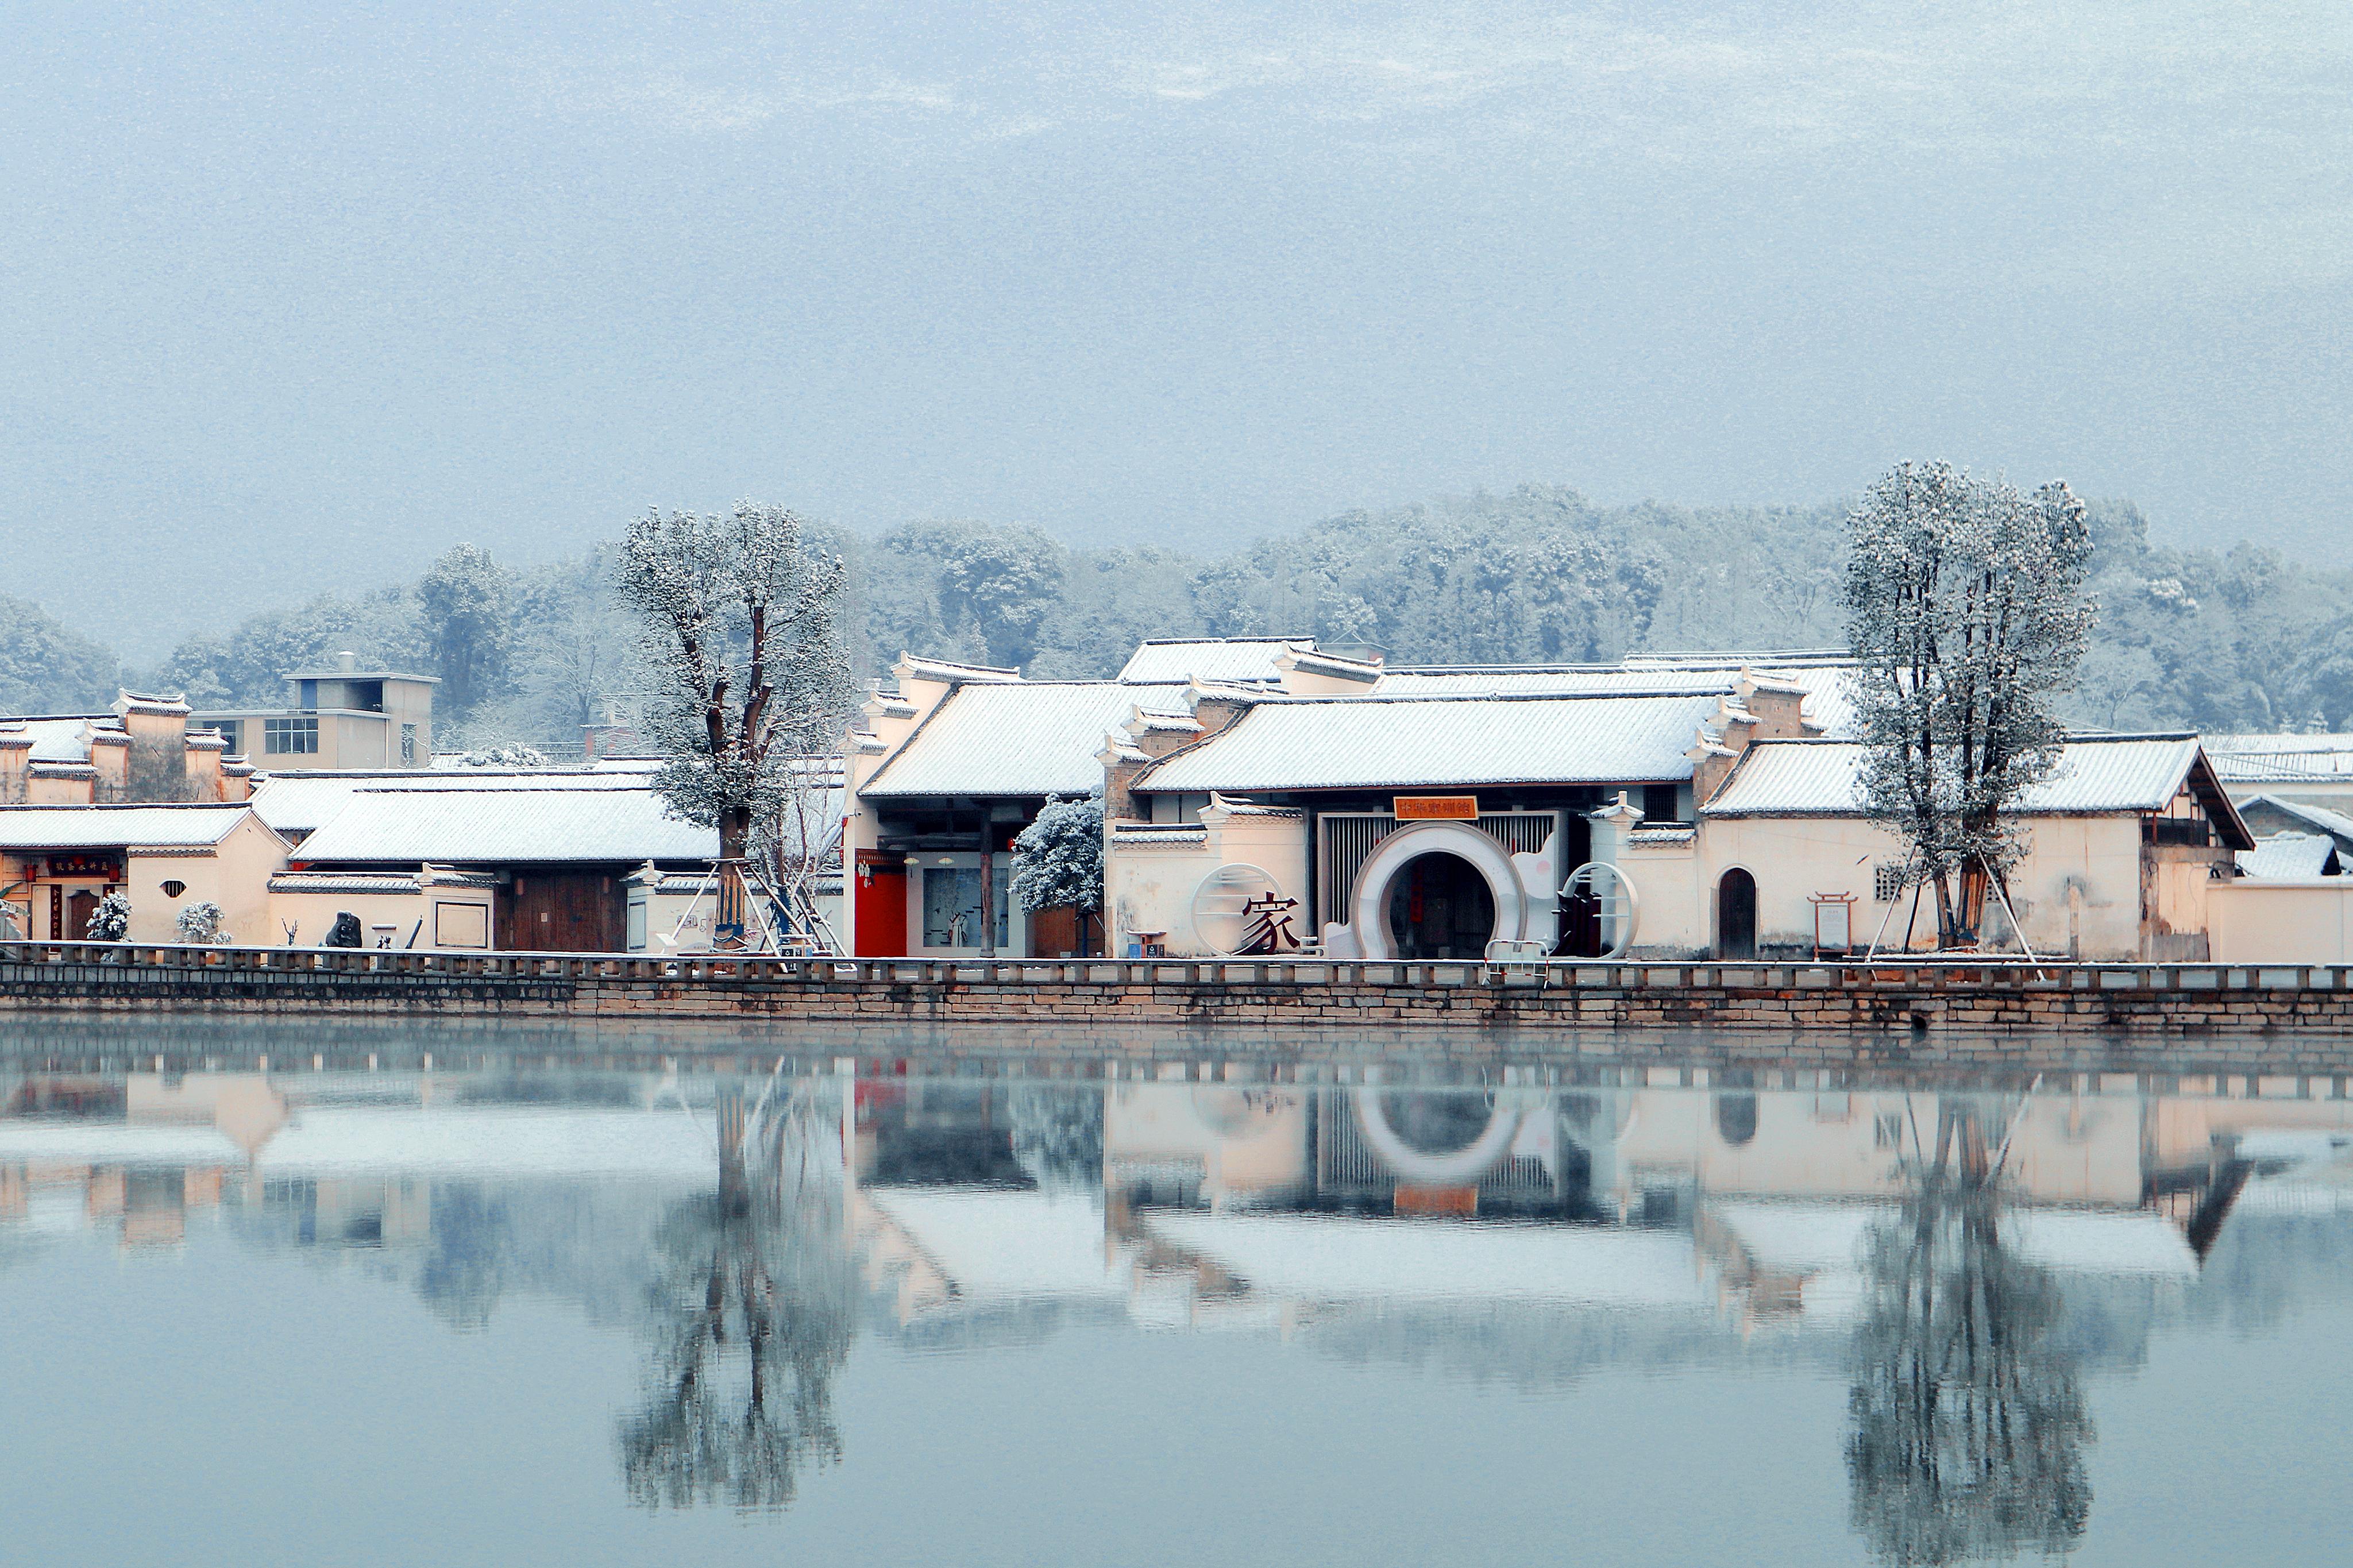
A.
pixel 129 701
pixel 1236 806
pixel 1222 642
pixel 1140 723
pixel 948 670
pixel 1197 689
pixel 1317 662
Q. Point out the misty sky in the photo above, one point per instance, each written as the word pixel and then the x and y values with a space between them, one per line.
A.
pixel 294 301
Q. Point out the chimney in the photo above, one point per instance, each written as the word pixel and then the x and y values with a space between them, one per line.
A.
pixel 347 663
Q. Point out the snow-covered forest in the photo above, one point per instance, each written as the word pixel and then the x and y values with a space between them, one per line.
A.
pixel 2250 640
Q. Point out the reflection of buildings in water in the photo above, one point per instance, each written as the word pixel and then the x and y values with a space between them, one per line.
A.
pixel 1183 1202
pixel 332 1160
pixel 1227 1205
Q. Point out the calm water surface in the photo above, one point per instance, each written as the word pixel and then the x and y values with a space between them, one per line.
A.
pixel 506 1313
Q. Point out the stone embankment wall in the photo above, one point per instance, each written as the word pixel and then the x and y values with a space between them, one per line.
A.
pixel 2263 1012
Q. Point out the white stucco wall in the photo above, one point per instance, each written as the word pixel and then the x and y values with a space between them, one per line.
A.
pixel 1150 887
pixel 234 874
pixel 313 915
pixel 2078 890
pixel 2282 923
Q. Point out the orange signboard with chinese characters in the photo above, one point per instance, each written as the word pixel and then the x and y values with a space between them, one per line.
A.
pixel 1436 807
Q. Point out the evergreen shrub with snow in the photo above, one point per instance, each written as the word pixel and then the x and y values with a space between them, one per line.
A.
pixel 1059 858
pixel 110 921
pixel 506 757
pixel 200 925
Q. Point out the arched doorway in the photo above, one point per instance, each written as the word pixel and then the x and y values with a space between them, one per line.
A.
pixel 1439 906
pixel 1735 915
pixel 1400 858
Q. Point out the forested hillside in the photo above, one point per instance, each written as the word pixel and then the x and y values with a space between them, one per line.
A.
pixel 2245 641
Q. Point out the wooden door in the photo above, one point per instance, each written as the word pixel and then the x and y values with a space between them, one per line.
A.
pixel 81 907
pixel 1064 933
pixel 565 911
pixel 882 927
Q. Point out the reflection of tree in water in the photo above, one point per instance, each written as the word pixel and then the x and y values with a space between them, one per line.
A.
pixel 1058 1136
pixel 753 1310
pixel 1969 1420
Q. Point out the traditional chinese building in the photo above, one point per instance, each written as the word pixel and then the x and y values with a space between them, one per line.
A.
pixel 142 751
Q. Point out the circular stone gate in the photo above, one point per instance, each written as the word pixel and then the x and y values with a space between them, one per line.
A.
pixel 1368 905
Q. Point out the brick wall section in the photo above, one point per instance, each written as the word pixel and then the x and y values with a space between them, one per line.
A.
pixel 2225 1015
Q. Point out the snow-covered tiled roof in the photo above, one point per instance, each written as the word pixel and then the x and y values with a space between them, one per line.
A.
pixel 2280 759
pixel 1164 832
pixel 1032 738
pixel 343 882
pixel 1555 679
pixel 116 826
pixel 64 737
pixel 297 802
pixel 2290 857
pixel 504 826
pixel 1382 743
pixel 1246 659
pixel 2337 824
pixel 1829 708
pixel 2096 775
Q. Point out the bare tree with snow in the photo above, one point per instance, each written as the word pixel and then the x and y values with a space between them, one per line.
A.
pixel 746 675
pixel 1968 617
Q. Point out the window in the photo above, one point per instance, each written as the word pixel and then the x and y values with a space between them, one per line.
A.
pixel 289 737
pixel 1886 882
pixel 175 889
pixel 367 695
pixel 1659 803
pixel 309 698
pixel 407 744
pixel 952 907
pixel 232 734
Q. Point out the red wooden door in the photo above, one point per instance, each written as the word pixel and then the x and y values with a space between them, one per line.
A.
pixel 882 929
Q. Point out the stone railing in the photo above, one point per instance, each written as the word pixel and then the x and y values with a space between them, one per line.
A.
pixel 1551 974
pixel 2007 999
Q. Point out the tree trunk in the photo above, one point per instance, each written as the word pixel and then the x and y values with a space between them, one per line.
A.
pixel 1970 919
pixel 734 1184
pixel 735 831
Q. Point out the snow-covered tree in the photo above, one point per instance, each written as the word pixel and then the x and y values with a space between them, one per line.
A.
pixel 747 678
pixel 110 921
pixel 1967 617
pixel 468 610
pixel 1058 861
pixel 200 925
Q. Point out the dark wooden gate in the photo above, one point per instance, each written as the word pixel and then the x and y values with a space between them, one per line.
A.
pixel 1735 916
pixel 1058 934
pixel 565 911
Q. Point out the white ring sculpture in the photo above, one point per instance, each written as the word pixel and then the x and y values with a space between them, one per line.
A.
pixel 1620 907
pixel 1223 894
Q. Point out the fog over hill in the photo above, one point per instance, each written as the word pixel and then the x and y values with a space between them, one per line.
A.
pixel 297 298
